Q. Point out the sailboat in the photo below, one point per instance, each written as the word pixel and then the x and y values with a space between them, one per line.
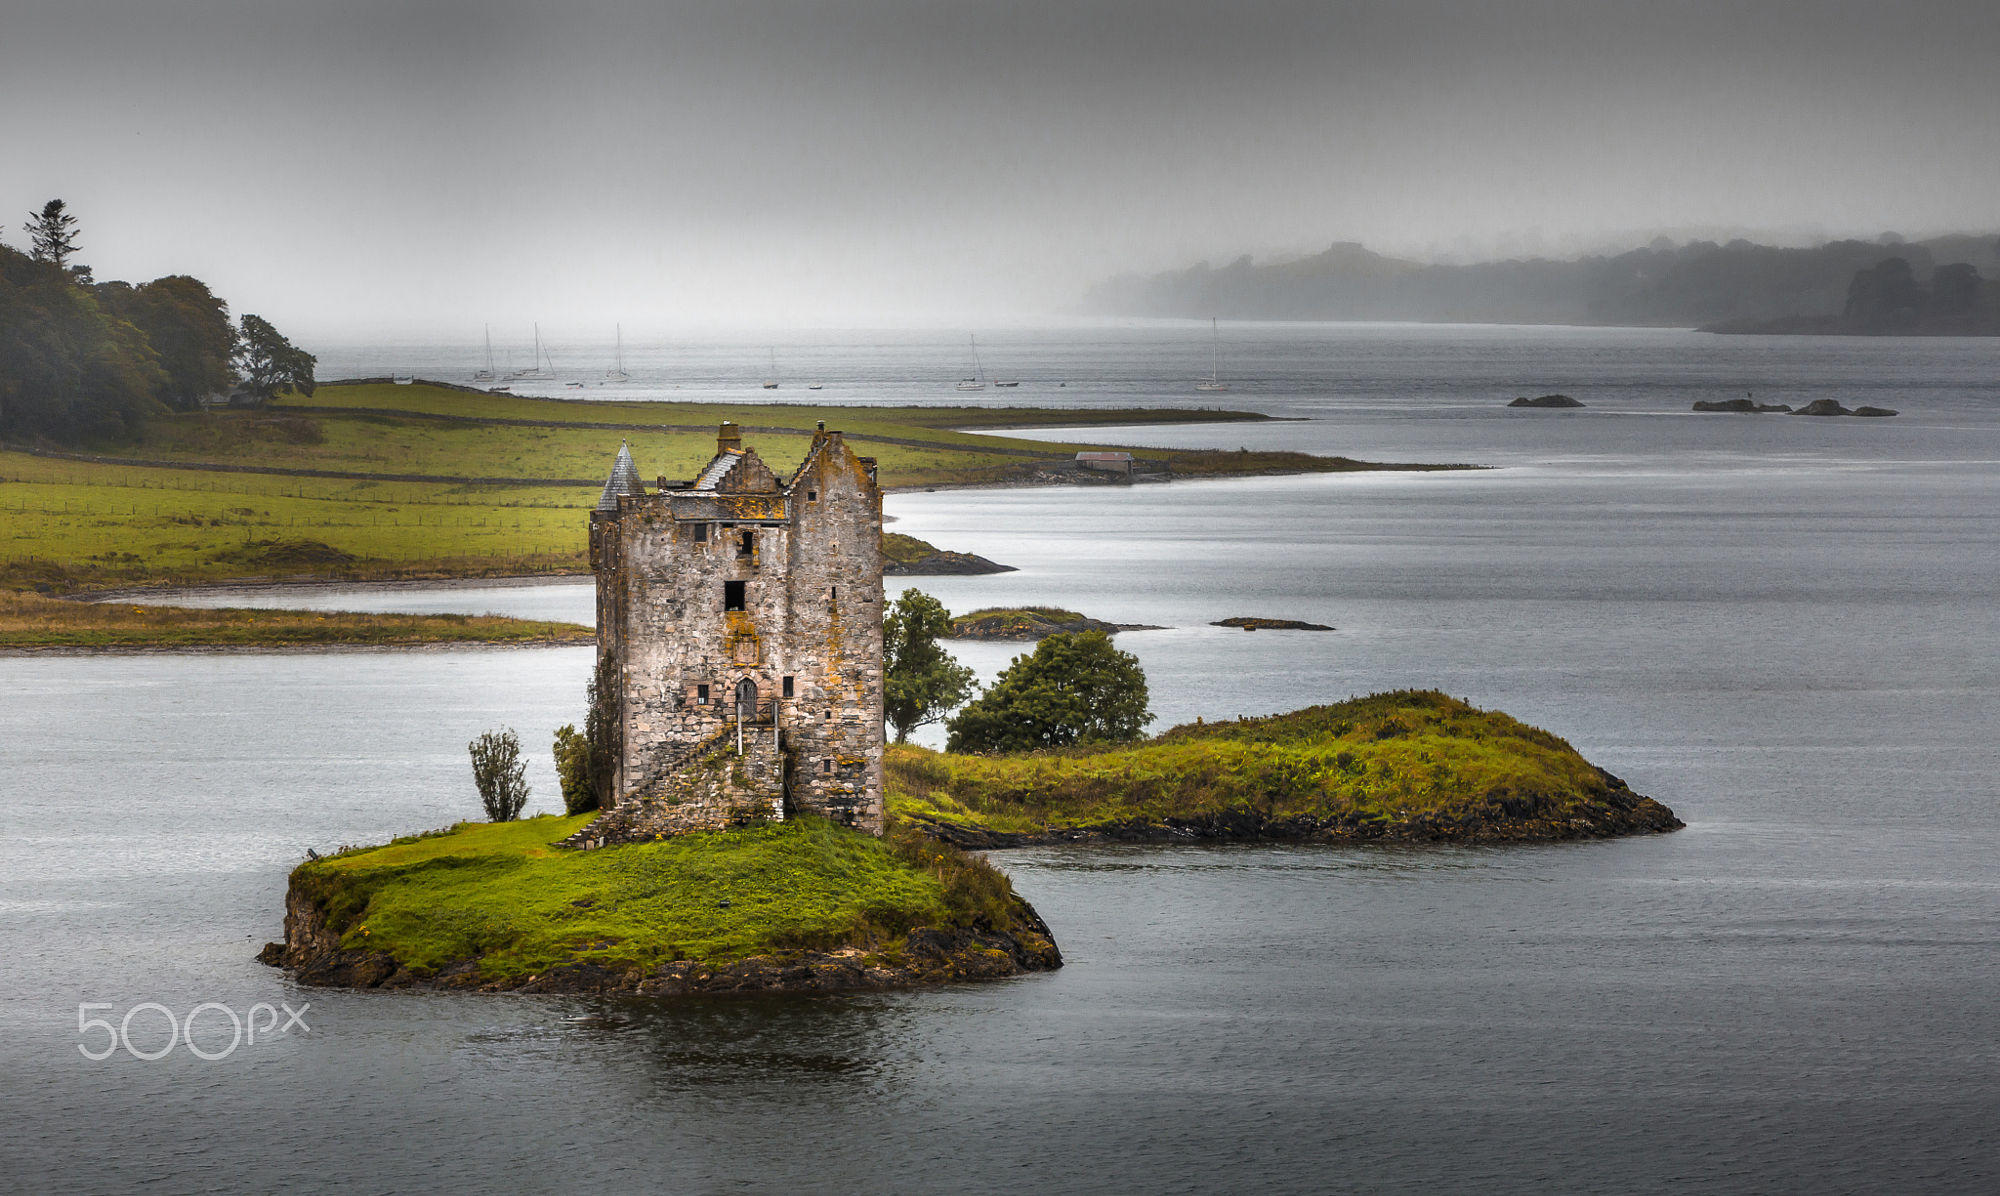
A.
pixel 771 383
pixel 977 381
pixel 617 371
pixel 535 366
pixel 487 374
pixel 1214 380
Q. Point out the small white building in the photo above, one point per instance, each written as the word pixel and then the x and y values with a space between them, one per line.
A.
pixel 1108 462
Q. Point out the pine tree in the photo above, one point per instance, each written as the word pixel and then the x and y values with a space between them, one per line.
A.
pixel 52 234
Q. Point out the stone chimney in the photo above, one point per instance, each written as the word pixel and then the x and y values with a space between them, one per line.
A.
pixel 729 439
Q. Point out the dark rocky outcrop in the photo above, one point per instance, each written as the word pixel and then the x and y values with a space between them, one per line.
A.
pixel 1546 402
pixel 1833 407
pixel 1254 624
pixel 907 556
pixel 312 953
pixel 1740 407
pixel 1032 623
pixel 944 563
pixel 1514 819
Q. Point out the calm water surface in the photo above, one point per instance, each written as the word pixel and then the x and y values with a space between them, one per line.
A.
pixel 1784 628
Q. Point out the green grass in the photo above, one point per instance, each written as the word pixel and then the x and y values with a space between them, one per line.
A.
pixel 900 549
pixel 490 497
pixel 1389 759
pixel 502 893
pixel 34 621
pixel 1023 622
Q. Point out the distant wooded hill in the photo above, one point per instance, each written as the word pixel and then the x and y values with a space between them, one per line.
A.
pixel 1845 286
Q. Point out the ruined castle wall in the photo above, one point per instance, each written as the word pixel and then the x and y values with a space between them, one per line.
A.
pixel 835 633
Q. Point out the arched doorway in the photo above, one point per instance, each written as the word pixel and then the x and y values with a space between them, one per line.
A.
pixel 746 698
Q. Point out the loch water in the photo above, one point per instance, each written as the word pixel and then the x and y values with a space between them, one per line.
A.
pixel 1786 629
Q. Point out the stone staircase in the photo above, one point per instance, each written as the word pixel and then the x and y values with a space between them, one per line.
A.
pixel 705 785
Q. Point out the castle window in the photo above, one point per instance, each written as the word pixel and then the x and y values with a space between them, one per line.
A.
pixel 698 532
pixel 732 594
pixel 833 593
pixel 701 694
pixel 747 546
pixel 788 687
pixel 812 496
pixel 826 765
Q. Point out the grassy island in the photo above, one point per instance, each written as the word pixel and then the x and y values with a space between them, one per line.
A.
pixel 1029 623
pixel 798 905
pixel 1408 766
pixel 34 622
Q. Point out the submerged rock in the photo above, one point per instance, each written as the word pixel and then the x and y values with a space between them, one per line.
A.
pixel 1546 402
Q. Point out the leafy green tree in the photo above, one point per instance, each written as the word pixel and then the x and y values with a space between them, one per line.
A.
pixel 52 235
pixel 270 363
pixel 188 329
pixel 572 752
pixel 500 775
pixel 1074 688
pixel 69 370
pixel 921 682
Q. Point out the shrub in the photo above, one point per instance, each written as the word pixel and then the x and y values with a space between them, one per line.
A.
pixel 1073 689
pixel 500 775
pixel 572 753
pixel 602 740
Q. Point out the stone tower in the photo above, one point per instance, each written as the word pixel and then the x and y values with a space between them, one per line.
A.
pixel 741 614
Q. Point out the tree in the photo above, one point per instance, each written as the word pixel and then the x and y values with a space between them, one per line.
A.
pixel 51 235
pixel 188 329
pixel 271 363
pixel 573 770
pixel 1074 688
pixel 69 370
pixel 921 683
pixel 1885 294
pixel 1955 289
pixel 500 775
pixel 601 732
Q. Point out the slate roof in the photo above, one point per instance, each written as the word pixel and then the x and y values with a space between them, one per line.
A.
pixel 624 480
pixel 716 470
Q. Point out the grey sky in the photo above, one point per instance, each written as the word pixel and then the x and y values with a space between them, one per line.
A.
pixel 419 167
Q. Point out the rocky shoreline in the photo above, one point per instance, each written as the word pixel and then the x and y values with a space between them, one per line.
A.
pixel 1511 820
pixel 928 956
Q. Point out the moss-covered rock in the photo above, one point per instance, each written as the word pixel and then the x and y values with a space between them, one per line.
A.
pixel 907 556
pixel 1030 623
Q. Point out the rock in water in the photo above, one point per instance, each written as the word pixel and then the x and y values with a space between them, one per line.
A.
pixel 1253 624
pixel 1738 406
pixel 1546 402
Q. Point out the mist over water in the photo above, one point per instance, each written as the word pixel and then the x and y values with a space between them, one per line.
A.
pixel 1784 628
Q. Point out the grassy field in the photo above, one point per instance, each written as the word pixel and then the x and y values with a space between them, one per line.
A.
pixel 32 621
pixel 1400 765
pixel 453 483
pixel 502 893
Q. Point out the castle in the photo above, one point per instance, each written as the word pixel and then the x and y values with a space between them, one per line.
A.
pixel 741 618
